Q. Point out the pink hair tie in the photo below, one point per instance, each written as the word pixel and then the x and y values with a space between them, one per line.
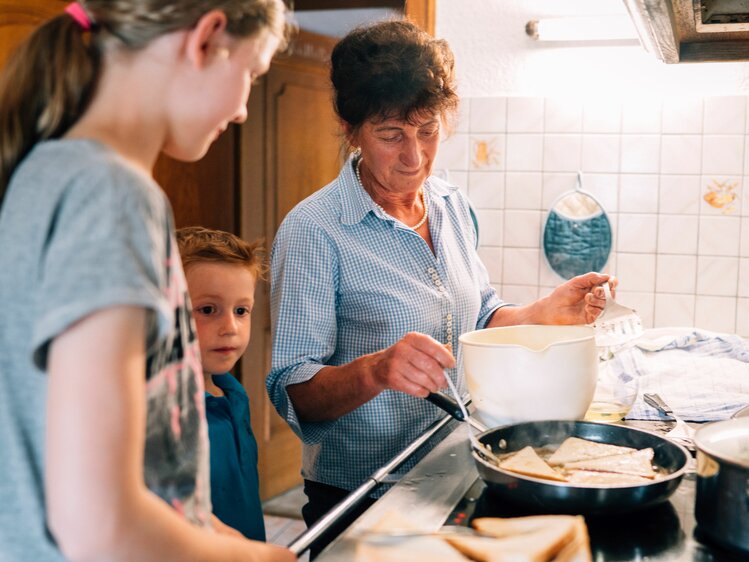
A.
pixel 76 11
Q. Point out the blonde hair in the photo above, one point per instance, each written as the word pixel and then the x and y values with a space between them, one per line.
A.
pixel 200 245
pixel 51 78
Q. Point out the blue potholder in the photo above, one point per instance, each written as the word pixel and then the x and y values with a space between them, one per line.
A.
pixel 574 245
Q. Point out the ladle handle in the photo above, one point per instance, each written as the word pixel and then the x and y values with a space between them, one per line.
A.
pixel 446 403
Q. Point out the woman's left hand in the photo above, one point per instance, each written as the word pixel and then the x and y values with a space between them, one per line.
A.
pixel 579 300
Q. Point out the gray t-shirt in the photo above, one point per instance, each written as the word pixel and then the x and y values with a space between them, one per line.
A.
pixel 82 230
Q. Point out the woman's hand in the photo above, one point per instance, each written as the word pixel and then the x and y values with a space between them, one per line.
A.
pixel 579 300
pixel 414 365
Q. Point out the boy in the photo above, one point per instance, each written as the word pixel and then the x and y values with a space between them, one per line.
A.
pixel 221 271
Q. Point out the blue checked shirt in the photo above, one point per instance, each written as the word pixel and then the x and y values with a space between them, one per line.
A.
pixel 349 280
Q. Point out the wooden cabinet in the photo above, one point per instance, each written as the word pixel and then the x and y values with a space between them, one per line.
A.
pixel 291 146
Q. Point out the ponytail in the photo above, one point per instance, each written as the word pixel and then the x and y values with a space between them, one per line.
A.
pixel 45 87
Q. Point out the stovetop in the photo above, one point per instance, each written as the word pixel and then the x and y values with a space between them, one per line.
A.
pixel 663 532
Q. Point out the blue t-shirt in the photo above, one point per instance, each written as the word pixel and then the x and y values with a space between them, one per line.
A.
pixel 234 479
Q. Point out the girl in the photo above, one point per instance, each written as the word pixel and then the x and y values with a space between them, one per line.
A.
pixel 102 424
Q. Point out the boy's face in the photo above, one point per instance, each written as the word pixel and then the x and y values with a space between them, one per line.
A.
pixel 222 297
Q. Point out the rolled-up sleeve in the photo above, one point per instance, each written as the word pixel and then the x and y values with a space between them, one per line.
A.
pixel 304 268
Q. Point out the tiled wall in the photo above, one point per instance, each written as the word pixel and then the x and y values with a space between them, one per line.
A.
pixel 670 174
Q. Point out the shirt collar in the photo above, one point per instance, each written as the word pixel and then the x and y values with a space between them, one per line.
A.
pixel 356 203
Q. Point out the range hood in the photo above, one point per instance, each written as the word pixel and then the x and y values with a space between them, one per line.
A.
pixel 693 30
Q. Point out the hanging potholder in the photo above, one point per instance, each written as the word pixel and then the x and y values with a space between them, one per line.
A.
pixel 577 234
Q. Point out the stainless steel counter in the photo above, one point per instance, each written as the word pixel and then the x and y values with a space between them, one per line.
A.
pixel 426 494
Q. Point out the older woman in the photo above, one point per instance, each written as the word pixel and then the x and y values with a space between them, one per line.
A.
pixel 375 276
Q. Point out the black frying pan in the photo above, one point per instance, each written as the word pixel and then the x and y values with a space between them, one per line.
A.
pixel 545 496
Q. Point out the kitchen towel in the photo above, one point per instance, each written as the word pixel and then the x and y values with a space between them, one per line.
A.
pixel 702 375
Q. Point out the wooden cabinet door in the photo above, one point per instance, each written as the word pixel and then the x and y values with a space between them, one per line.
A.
pixel 18 18
pixel 291 147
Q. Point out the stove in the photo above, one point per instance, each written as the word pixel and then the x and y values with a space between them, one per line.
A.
pixel 665 532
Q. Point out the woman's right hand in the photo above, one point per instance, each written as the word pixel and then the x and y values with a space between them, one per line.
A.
pixel 414 365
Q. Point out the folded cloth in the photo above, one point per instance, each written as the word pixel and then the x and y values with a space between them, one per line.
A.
pixel 701 375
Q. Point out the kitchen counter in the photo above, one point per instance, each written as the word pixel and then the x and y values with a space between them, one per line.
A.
pixel 445 488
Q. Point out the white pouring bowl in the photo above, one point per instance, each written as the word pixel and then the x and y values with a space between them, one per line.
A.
pixel 530 373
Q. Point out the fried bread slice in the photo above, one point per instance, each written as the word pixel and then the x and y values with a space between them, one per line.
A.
pixel 526 461
pixel 638 463
pixel 576 449
pixel 519 539
pixel 597 478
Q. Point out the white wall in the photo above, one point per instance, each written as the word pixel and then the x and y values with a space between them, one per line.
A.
pixel 651 139
pixel 496 57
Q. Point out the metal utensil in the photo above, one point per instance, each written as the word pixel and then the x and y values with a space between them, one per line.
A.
pixel 617 324
pixel 681 432
pixel 378 536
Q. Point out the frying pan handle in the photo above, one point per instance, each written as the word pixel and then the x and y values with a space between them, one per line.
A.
pixel 446 403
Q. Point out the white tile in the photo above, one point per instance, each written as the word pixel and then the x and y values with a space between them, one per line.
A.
pixel 682 115
pixel 555 185
pixel 563 115
pixel 562 153
pixel 725 115
pixel 522 229
pixel 605 188
pixel 742 318
pixel 674 310
pixel 720 195
pixel 491 256
pixel 680 194
pixel 743 278
pixel 524 152
pixel 520 266
pixel 677 234
pixel 525 115
pixel 486 190
pixel 642 302
pixel 523 190
pixel 641 115
pixel 744 244
pixel 602 115
pixel 637 233
pixel 676 274
pixel 490 227
pixel 453 153
pixel 458 179
pixel 681 154
pixel 519 294
pixel 717 276
pixel 641 153
pixel 638 193
pixel 715 313
pixel 462 121
pixel 723 154
pixel 719 236
pixel 487 152
pixel 601 153
pixel 636 272
pixel 547 277
pixel 488 115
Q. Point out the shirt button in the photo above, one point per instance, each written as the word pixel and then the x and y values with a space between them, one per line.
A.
pixel 449 316
pixel 431 270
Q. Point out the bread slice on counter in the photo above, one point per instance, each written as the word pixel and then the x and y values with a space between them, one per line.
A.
pixel 578 549
pixel 526 461
pixel 576 449
pixel 411 549
pixel 637 463
pixel 521 539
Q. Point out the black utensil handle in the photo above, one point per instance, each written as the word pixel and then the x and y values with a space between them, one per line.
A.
pixel 657 402
pixel 446 403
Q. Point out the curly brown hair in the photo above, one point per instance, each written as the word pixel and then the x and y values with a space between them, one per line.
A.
pixel 200 245
pixel 392 69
